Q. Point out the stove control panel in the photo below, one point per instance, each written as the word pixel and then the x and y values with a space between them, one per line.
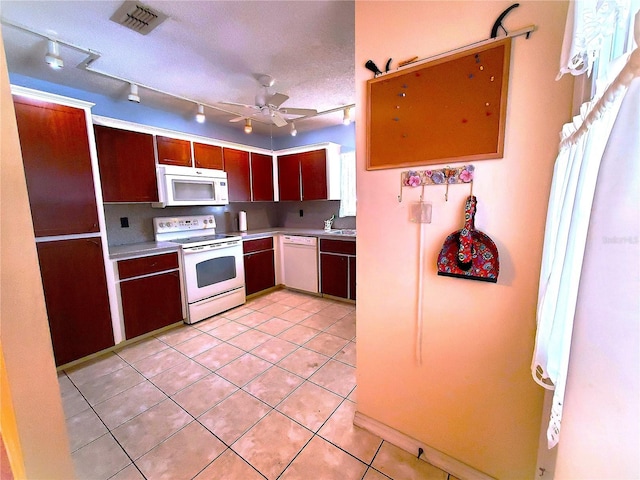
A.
pixel 164 225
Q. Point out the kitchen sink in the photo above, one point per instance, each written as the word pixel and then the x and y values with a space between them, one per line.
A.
pixel 344 231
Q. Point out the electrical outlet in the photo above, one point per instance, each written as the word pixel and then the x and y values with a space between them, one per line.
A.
pixel 124 222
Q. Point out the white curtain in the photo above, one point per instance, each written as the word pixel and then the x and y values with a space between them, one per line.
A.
pixel 589 25
pixel 583 145
pixel 347 185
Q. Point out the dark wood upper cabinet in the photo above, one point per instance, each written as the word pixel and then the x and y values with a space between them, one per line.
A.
pixel 313 171
pixel 262 177
pixel 127 165
pixel 172 151
pixel 207 156
pixel 75 292
pixel 236 164
pixel 303 176
pixel 57 163
pixel 289 177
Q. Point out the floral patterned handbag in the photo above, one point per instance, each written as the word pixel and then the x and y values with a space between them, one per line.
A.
pixel 469 253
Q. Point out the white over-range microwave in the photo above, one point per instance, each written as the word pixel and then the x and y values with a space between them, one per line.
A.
pixel 186 186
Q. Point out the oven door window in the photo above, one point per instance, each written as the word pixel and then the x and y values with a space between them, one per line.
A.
pixel 189 190
pixel 215 270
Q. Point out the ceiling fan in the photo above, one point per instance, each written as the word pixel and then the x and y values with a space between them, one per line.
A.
pixel 267 106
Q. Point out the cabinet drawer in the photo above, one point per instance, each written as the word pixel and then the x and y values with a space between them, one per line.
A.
pixel 146 265
pixel 338 246
pixel 257 245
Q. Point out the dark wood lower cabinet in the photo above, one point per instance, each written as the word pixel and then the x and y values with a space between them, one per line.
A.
pixel 259 267
pixel 150 293
pixel 75 291
pixel 338 268
pixel 334 271
pixel 149 303
pixel 352 278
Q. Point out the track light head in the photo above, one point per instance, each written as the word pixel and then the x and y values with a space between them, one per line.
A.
pixel 294 132
pixel 133 95
pixel 247 126
pixel 52 57
pixel 346 118
pixel 200 118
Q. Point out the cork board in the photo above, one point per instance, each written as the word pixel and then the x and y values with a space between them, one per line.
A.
pixel 450 109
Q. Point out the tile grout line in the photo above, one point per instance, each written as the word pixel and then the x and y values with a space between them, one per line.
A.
pixel 109 432
pixel 254 328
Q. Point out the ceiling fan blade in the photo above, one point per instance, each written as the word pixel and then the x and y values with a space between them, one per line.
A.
pixel 237 104
pixel 303 112
pixel 237 109
pixel 237 119
pixel 278 120
pixel 277 99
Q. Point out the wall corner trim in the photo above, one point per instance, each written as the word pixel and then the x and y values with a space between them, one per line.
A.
pixel 411 445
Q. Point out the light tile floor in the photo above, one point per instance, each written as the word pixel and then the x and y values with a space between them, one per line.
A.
pixel 266 390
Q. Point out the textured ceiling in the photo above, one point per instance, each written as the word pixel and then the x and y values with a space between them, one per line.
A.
pixel 206 51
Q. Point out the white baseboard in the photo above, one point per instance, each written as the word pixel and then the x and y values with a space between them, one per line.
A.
pixel 411 445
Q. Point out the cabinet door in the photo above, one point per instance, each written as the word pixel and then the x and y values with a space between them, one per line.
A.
pixel 75 292
pixel 57 163
pixel 172 151
pixel 142 316
pixel 313 170
pixel 352 278
pixel 127 165
pixel 259 271
pixel 262 177
pixel 207 156
pixel 236 164
pixel 289 177
pixel 334 270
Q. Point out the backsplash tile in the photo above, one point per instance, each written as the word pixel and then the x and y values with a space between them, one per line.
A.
pixel 260 215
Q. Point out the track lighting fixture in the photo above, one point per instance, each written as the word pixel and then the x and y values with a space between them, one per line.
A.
pixel 294 132
pixel 346 118
pixel 133 95
pixel 52 57
pixel 200 118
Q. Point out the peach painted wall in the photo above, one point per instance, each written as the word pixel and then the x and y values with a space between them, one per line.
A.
pixel 472 397
pixel 33 425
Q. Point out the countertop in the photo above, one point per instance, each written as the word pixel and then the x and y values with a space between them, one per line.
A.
pixel 118 252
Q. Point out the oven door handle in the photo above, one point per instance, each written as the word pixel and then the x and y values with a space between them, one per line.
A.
pixel 206 248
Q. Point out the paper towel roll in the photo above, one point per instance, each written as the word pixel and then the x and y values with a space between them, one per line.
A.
pixel 242 221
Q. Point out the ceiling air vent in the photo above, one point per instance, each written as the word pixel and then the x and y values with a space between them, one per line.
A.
pixel 138 17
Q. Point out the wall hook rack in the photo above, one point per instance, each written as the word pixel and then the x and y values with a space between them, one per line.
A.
pixel 441 176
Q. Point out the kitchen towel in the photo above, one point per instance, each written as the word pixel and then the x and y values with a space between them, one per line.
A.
pixel 242 221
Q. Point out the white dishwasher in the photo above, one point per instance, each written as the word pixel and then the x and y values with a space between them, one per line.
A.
pixel 300 255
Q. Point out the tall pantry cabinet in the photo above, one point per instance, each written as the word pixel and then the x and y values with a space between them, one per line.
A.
pixel 61 182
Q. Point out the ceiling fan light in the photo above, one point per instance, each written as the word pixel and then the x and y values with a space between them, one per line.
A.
pixel 52 57
pixel 133 94
pixel 200 118
pixel 346 118
pixel 294 132
pixel 247 126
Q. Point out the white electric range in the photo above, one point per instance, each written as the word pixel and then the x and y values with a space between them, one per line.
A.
pixel 213 267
